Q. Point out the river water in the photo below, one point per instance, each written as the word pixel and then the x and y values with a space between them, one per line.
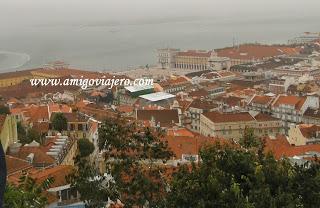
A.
pixel 120 45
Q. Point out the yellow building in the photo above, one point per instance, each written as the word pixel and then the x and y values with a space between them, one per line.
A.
pixel 304 134
pixel 13 78
pixel 8 131
pixel 192 60
pixel 232 125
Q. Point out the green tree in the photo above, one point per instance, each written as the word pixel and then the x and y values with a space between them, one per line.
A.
pixel 28 194
pixel 133 158
pixel 33 134
pixel 22 134
pixel 85 147
pixel 59 122
pixel 231 176
pixel 249 140
pixel 4 110
pixel 95 189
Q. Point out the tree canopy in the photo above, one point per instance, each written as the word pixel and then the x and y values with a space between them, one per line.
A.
pixel 226 176
pixel 59 122
pixel 235 177
pixel 27 194
pixel 85 147
pixel 4 110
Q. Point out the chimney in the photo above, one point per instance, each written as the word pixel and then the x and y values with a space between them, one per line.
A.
pixel 15 147
pixel 30 158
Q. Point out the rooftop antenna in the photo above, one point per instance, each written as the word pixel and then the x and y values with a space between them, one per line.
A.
pixel 233 42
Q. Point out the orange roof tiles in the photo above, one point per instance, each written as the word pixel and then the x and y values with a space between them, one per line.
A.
pixel 280 147
pixel 262 100
pixel 265 117
pixel 59 108
pixel 125 109
pixel 189 145
pixel 195 53
pixel 295 101
pixel 40 156
pixel 15 164
pixel 217 117
pixel 180 132
pixel 309 131
pixel 255 51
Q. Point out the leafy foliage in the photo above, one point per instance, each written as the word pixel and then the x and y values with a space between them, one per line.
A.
pixel 33 134
pixel 132 158
pixel 59 122
pixel 22 134
pixel 249 140
pixel 27 194
pixel 85 147
pixel 4 110
pixel 95 189
pixel 235 177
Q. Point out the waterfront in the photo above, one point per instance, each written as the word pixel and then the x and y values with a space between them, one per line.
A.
pixel 129 46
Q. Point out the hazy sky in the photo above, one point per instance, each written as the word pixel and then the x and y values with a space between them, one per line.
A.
pixel 116 34
pixel 33 12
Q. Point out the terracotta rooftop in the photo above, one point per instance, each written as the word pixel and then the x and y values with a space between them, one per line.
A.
pixel 40 156
pixel 199 93
pixel 62 108
pixel 15 74
pixel 217 117
pixel 261 99
pixel 195 53
pixel 313 113
pixel 309 131
pixel 73 117
pixel 231 101
pixel 15 164
pixel 174 81
pixel 125 109
pixel 256 52
pixel 265 117
pixel 165 117
pixel 190 145
pixel 203 104
pixel 280 147
pixel 180 132
pixel 295 101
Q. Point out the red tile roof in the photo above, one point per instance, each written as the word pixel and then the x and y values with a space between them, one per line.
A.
pixel 262 100
pixel 203 104
pixel 295 101
pixel 256 52
pixel 164 117
pixel 280 147
pixel 180 132
pixel 15 164
pixel 265 117
pixel 217 117
pixel 309 131
pixel 190 145
pixel 40 155
pixel 195 53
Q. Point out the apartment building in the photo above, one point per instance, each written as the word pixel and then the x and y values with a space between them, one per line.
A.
pixel 232 125
pixel 198 107
pixel 304 134
pixel 260 103
pixel 291 109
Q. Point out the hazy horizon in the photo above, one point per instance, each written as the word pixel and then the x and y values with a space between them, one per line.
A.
pixel 117 34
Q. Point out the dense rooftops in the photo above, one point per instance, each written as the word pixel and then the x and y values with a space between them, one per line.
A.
pixel 157 96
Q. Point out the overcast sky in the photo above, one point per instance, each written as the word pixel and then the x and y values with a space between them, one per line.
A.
pixel 33 12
